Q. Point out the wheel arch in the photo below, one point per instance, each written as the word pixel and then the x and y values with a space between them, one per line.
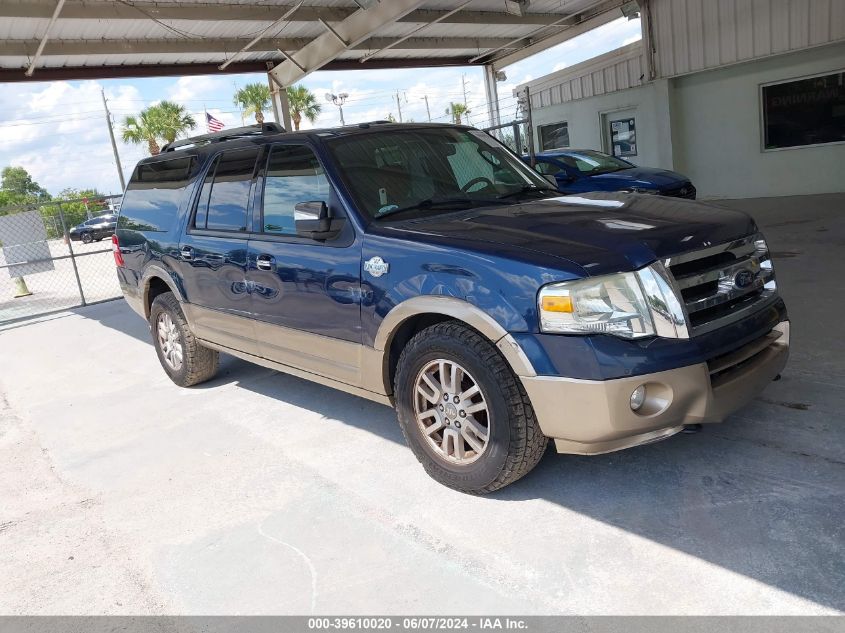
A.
pixel 156 281
pixel 418 313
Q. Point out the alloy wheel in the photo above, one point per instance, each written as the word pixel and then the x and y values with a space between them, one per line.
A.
pixel 452 412
pixel 170 341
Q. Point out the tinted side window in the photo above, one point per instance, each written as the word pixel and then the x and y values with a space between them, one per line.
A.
pixel 154 194
pixel 202 204
pixel 229 196
pixel 548 169
pixel 293 175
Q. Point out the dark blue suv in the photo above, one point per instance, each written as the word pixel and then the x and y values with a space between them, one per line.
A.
pixel 428 268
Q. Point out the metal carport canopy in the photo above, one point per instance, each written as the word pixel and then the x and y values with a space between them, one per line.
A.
pixel 44 40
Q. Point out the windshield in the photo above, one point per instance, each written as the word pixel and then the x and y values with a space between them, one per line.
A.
pixel 590 162
pixel 409 173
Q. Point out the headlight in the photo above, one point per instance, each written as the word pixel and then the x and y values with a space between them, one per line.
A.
pixel 630 305
pixel 613 304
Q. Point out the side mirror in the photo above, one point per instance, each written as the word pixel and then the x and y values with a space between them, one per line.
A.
pixel 552 180
pixel 312 221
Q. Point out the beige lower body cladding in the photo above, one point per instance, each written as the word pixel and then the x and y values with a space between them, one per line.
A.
pixel 591 416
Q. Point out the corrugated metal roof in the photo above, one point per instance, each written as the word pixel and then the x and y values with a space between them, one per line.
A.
pixel 177 35
pixel 694 35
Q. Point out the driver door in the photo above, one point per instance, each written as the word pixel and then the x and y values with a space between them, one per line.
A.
pixel 306 293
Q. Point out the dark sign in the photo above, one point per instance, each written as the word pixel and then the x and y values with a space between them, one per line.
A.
pixel 804 112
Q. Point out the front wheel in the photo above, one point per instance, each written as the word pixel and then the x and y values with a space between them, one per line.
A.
pixel 87 238
pixel 184 360
pixel 463 412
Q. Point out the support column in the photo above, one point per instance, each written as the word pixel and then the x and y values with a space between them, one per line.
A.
pixel 492 94
pixel 284 106
pixel 274 99
pixel 279 99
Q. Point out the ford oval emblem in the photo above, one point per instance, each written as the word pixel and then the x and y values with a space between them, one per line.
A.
pixel 743 279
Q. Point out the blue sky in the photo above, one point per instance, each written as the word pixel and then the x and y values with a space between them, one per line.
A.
pixel 57 130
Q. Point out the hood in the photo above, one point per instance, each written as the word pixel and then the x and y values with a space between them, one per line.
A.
pixel 600 232
pixel 643 177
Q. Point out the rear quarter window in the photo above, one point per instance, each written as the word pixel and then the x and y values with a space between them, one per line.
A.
pixel 154 195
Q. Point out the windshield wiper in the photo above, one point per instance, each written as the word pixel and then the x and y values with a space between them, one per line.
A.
pixel 430 203
pixel 526 189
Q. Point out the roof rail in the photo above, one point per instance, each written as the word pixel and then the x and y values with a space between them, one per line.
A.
pixel 225 135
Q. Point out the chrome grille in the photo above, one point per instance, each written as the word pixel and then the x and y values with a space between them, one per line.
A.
pixel 722 284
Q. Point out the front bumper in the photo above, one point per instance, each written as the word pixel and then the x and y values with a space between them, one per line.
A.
pixel 594 416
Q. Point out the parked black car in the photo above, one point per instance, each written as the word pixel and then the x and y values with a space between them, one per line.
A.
pixel 95 229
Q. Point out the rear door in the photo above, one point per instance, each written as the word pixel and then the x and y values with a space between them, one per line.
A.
pixel 306 294
pixel 213 252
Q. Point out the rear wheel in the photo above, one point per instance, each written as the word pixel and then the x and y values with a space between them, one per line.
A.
pixel 182 357
pixel 463 411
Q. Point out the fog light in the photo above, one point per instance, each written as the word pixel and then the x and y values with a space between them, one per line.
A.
pixel 638 398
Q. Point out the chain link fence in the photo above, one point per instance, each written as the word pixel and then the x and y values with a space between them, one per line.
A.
pixel 56 255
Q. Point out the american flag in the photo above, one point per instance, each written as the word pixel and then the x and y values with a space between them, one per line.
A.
pixel 212 124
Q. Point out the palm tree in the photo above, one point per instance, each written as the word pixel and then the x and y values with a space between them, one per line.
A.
pixel 175 120
pixel 303 103
pixel 145 128
pixel 455 110
pixel 253 99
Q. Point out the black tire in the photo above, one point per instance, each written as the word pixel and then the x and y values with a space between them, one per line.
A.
pixel 87 238
pixel 199 363
pixel 516 443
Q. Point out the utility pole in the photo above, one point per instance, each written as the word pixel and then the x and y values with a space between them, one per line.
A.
pixel 464 85
pixel 113 144
pixel 427 110
pixel 524 100
pixel 399 106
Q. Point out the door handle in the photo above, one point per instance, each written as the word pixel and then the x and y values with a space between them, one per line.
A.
pixel 186 252
pixel 264 262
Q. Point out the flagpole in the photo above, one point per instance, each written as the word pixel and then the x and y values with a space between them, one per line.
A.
pixel 205 111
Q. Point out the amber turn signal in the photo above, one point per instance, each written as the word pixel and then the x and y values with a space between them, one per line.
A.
pixel 557 304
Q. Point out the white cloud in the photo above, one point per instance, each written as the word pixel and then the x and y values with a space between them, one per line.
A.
pixel 559 66
pixel 58 133
pixel 373 100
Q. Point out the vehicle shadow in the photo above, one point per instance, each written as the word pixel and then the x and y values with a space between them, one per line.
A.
pixel 117 315
pixel 305 394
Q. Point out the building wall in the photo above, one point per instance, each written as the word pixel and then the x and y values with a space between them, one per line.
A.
pixel 619 69
pixel 716 131
pixel 695 35
pixel 586 126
